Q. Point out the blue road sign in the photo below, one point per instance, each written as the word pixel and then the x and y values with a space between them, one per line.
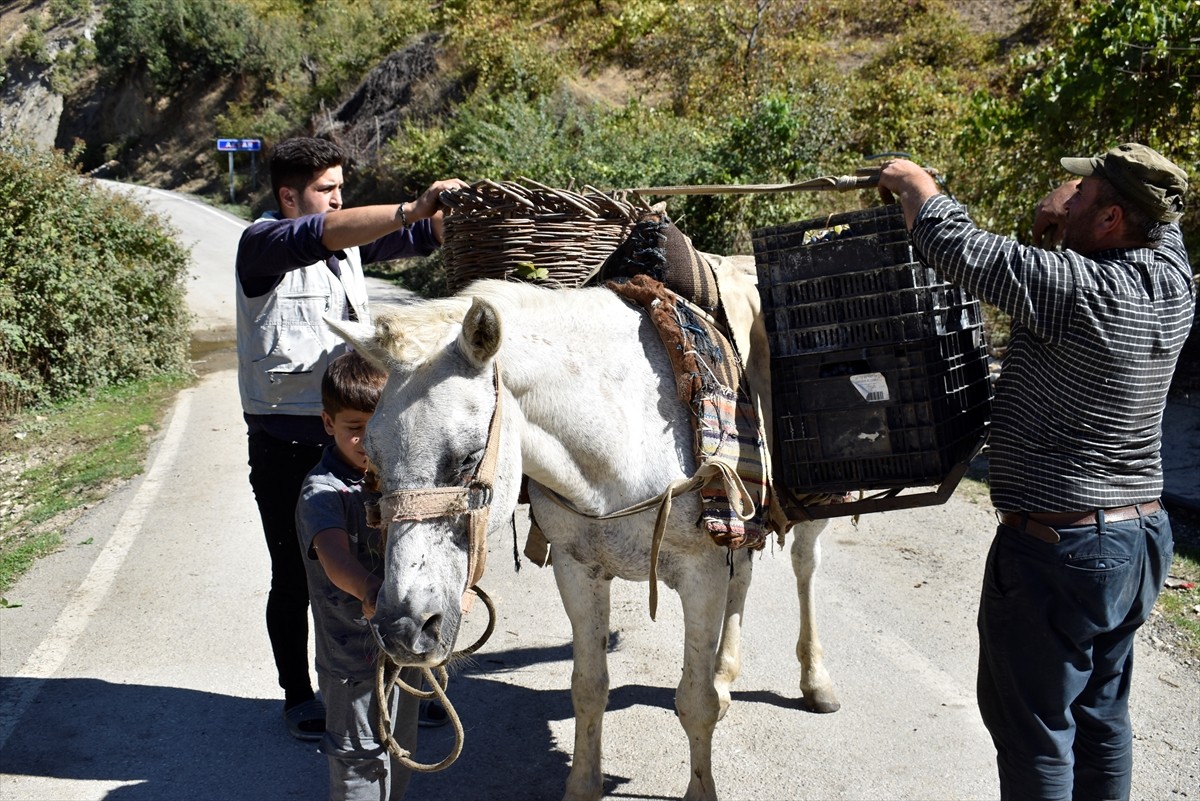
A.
pixel 239 144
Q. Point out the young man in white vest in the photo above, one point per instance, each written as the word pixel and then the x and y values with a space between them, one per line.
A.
pixel 294 267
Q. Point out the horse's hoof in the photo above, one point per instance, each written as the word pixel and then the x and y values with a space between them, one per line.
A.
pixel 822 702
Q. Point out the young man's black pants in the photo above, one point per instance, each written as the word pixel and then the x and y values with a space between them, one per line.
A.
pixel 277 470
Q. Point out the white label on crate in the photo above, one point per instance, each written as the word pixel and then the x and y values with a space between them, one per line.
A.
pixel 872 386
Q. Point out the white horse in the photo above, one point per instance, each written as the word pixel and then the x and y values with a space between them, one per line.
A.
pixel 582 395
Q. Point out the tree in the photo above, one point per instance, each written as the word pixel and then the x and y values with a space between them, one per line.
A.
pixel 1127 70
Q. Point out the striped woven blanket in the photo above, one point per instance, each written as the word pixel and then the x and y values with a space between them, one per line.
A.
pixel 710 380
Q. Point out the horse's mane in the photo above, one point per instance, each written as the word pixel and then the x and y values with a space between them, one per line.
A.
pixel 414 332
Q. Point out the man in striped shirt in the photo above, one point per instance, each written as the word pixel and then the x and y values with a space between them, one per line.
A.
pixel 1083 544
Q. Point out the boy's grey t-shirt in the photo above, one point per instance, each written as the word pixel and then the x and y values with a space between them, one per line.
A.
pixel 333 496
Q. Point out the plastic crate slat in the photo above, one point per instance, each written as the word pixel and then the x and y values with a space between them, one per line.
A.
pixel 832 437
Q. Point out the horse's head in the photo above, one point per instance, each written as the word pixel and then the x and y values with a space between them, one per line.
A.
pixel 429 444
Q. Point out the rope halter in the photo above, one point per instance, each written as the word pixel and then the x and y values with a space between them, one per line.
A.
pixel 473 499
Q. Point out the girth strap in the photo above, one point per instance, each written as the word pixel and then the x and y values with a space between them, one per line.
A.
pixel 734 488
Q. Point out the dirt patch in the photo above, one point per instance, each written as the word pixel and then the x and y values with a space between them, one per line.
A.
pixel 1000 19
pixel 615 87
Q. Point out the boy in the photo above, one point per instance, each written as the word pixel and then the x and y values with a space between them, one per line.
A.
pixel 344 564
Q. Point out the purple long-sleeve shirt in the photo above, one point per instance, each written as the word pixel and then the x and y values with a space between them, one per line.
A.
pixel 271 247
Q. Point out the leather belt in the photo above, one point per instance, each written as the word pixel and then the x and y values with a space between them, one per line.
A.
pixel 1043 524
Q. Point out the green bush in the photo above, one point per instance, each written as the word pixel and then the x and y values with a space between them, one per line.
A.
pixel 912 95
pixel 1120 71
pixel 32 45
pixel 556 139
pixel 785 137
pixel 184 42
pixel 498 49
pixel 560 140
pixel 91 285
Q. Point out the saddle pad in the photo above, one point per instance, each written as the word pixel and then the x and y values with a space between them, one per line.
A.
pixel 729 432
pixel 708 379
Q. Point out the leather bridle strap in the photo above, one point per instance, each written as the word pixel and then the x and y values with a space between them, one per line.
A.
pixel 474 499
pixel 485 475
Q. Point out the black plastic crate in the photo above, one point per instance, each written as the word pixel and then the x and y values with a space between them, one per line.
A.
pixel 882 417
pixel 833 245
pixel 879 369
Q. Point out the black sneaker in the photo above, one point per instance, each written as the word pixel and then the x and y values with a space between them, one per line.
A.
pixel 432 714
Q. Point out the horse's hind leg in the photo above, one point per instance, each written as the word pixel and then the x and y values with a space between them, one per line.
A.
pixel 815 684
pixel 729 655
pixel 586 596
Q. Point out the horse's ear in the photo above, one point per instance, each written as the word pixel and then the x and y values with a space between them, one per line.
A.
pixel 480 338
pixel 365 339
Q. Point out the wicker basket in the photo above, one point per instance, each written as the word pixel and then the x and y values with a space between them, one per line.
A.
pixel 505 230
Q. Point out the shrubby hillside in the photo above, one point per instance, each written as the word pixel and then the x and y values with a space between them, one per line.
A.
pixel 91 286
pixel 622 93
pixel 611 93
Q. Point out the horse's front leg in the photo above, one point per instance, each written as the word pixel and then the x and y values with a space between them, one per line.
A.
pixel 701 588
pixel 729 656
pixel 586 596
pixel 815 684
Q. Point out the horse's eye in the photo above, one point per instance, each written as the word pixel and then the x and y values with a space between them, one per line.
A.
pixel 469 463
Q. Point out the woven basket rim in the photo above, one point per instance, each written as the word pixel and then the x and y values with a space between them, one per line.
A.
pixel 526 197
pixel 494 229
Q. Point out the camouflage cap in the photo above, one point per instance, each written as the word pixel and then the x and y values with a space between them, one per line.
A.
pixel 1143 177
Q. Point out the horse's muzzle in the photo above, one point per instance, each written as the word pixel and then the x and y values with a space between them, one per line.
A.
pixel 410 644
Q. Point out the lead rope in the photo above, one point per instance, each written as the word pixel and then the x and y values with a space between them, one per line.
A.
pixel 387 678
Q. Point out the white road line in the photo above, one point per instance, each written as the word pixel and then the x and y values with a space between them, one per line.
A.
pixel 173 196
pixel 52 652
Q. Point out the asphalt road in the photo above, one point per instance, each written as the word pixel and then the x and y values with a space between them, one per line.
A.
pixel 137 666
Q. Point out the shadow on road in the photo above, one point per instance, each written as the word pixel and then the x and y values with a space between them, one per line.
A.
pixel 176 743
pixel 172 743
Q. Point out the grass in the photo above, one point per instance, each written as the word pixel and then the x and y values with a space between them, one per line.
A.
pixel 236 209
pixel 1181 605
pixel 974 490
pixel 1178 603
pixel 57 461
